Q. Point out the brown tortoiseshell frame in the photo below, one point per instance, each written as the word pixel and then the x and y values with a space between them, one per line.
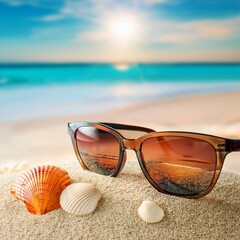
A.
pixel 222 146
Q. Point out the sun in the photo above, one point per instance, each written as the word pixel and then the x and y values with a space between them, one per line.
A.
pixel 123 28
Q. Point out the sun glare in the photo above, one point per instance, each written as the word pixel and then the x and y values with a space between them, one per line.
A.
pixel 121 67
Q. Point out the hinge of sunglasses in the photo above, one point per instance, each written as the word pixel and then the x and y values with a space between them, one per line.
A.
pixel 222 147
pixel 70 131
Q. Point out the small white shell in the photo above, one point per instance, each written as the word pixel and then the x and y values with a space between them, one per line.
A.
pixel 150 212
pixel 80 198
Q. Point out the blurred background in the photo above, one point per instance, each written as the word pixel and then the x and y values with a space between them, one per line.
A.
pixel 164 64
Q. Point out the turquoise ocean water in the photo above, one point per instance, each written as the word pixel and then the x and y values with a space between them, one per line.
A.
pixel 29 91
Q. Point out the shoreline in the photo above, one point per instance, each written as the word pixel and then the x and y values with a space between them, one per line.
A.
pixel 59 101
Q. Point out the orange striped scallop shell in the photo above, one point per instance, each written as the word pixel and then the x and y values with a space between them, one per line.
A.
pixel 40 188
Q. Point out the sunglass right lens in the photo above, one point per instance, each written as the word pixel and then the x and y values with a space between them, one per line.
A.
pixel 179 165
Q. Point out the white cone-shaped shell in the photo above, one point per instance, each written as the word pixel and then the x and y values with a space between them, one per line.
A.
pixel 150 212
pixel 80 198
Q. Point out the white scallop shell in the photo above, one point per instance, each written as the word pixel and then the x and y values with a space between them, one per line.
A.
pixel 80 198
pixel 150 212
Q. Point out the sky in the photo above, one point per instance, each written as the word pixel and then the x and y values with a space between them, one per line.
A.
pixel 119 31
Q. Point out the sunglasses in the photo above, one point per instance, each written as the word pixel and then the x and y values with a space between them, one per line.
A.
pixel 182 164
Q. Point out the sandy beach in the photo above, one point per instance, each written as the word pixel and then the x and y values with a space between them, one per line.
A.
pixel 46 140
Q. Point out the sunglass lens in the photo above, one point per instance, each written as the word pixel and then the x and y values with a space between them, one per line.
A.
pixel 98 149
pixel 179 165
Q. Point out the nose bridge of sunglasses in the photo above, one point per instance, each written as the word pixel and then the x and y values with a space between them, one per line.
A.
pixel 129 143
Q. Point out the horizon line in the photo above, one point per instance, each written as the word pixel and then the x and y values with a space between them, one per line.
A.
pixel 119 63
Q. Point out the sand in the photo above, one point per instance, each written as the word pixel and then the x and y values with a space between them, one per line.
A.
pixel 216 216
pixel 47 141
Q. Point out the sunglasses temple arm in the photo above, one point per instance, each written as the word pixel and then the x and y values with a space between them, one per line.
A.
pixel 234 145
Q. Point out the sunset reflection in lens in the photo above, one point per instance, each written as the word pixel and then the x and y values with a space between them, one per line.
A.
pixel 179 165
pixel 98 149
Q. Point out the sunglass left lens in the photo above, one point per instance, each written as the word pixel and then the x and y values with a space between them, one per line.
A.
pixel 98 149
